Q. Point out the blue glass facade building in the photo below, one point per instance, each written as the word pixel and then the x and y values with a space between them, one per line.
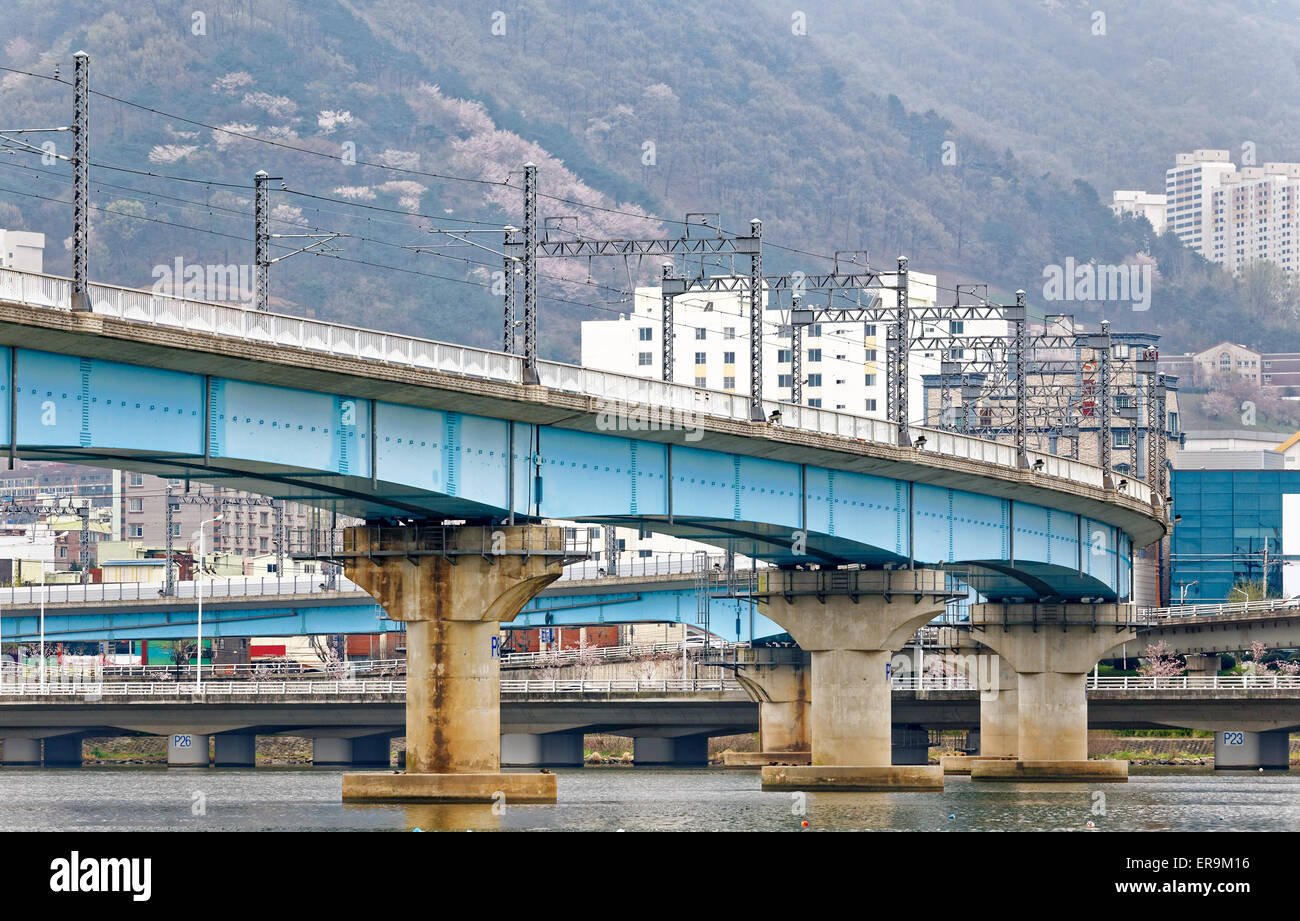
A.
pixel 1231 531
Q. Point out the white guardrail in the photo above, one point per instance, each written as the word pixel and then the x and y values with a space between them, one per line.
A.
pixel 383 688
pixel 1237 607
pixel 153 309
pixel 365 687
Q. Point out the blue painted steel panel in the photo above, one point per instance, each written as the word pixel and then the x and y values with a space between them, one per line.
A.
pixel 66 401
pixel 586 475
pixel 409 446
pixel 705 485
pixel 952 525
pixel 855 506
pixel 1046 535
pixel 292 428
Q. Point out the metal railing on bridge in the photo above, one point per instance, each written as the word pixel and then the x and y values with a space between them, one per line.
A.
pixel 366 687
pixel 149 308
pixel 1265 606
pixel 215 588
pixel 91 690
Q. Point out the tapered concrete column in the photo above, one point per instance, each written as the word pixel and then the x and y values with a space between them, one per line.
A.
pixel 851 622
pixel 452 587
pixel 230 749
pixel 1204 665
pixel 1052 647
pixel 1000 714
pixel 780 680
pixel 20 751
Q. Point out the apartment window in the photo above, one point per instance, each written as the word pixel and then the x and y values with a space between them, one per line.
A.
pixel 645 334
pixel 135 479
pixel 869 330
pixel 263 543
pixel 701 358
pixel 644 554
pixel 814 380
pixel 870 380
pixel 135 505
pixel 1121 438
pixel 701 333
pixel 644 359
pixel 264 518
pixel 871 406
pixel 136 530
pixel 728 332
pixel 784 356
pixel 728 358
pixel 785 381
pixel 815 329
pixel 176 530
pixel 957 327
pixel 815 403
pixel 701 381
pixel 871 356
pixel 814 354
pixel 728 383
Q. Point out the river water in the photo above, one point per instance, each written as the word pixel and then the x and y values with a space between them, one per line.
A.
pixel 639 799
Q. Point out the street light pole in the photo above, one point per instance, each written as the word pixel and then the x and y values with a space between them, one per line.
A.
pixel 198 590
pixel 42 624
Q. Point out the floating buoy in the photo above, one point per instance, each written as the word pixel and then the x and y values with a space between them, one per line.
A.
pixel 1092 824
pixel 417 829
pixel 804 823
pixel 952 815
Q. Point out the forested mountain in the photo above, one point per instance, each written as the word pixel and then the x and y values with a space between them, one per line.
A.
pixel 980 139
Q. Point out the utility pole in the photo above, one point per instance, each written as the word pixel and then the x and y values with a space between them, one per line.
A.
pixel 262 238
pixel 530 274
pixel 899 345
pixel 798 316
pixel 666 305
pixel 80 181
pixel 1101 344
pixel 1022 399
pixel 756 413
pixel 509 263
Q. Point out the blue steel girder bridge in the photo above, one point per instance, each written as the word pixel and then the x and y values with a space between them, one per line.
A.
pixel 385 427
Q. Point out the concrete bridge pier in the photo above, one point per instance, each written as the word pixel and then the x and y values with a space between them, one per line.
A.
pixel 851 621
pixel 779 679
pixel 999 690
pixel 452 587
pixel 63 751
pixel 234 749
pixel 542 749
pixel 371 750
pixel 20 752
pixel 188 749
pixel 679 751
pixel 1051 647
pixel 1235 750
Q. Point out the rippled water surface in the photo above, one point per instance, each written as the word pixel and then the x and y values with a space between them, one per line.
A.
pixel 307 799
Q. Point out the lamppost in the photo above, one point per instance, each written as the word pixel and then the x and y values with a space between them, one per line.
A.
pixel 1182 591
pixel 198 590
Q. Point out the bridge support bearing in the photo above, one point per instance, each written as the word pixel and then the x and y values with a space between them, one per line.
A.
pixel 63 751
pixel 541 749
pixel 679 751
pixel 783 692
pixel 234 749
pixel 452 604
pixel 19 752
pixel 851 622
pixel 1252 751
pixel 1052 647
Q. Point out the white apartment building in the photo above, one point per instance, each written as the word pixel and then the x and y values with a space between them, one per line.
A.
pixel 22 251
pixel 844 364
pixel 1228 215
pixel 1253 214
pixel 1188 187
pixel 1144 204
